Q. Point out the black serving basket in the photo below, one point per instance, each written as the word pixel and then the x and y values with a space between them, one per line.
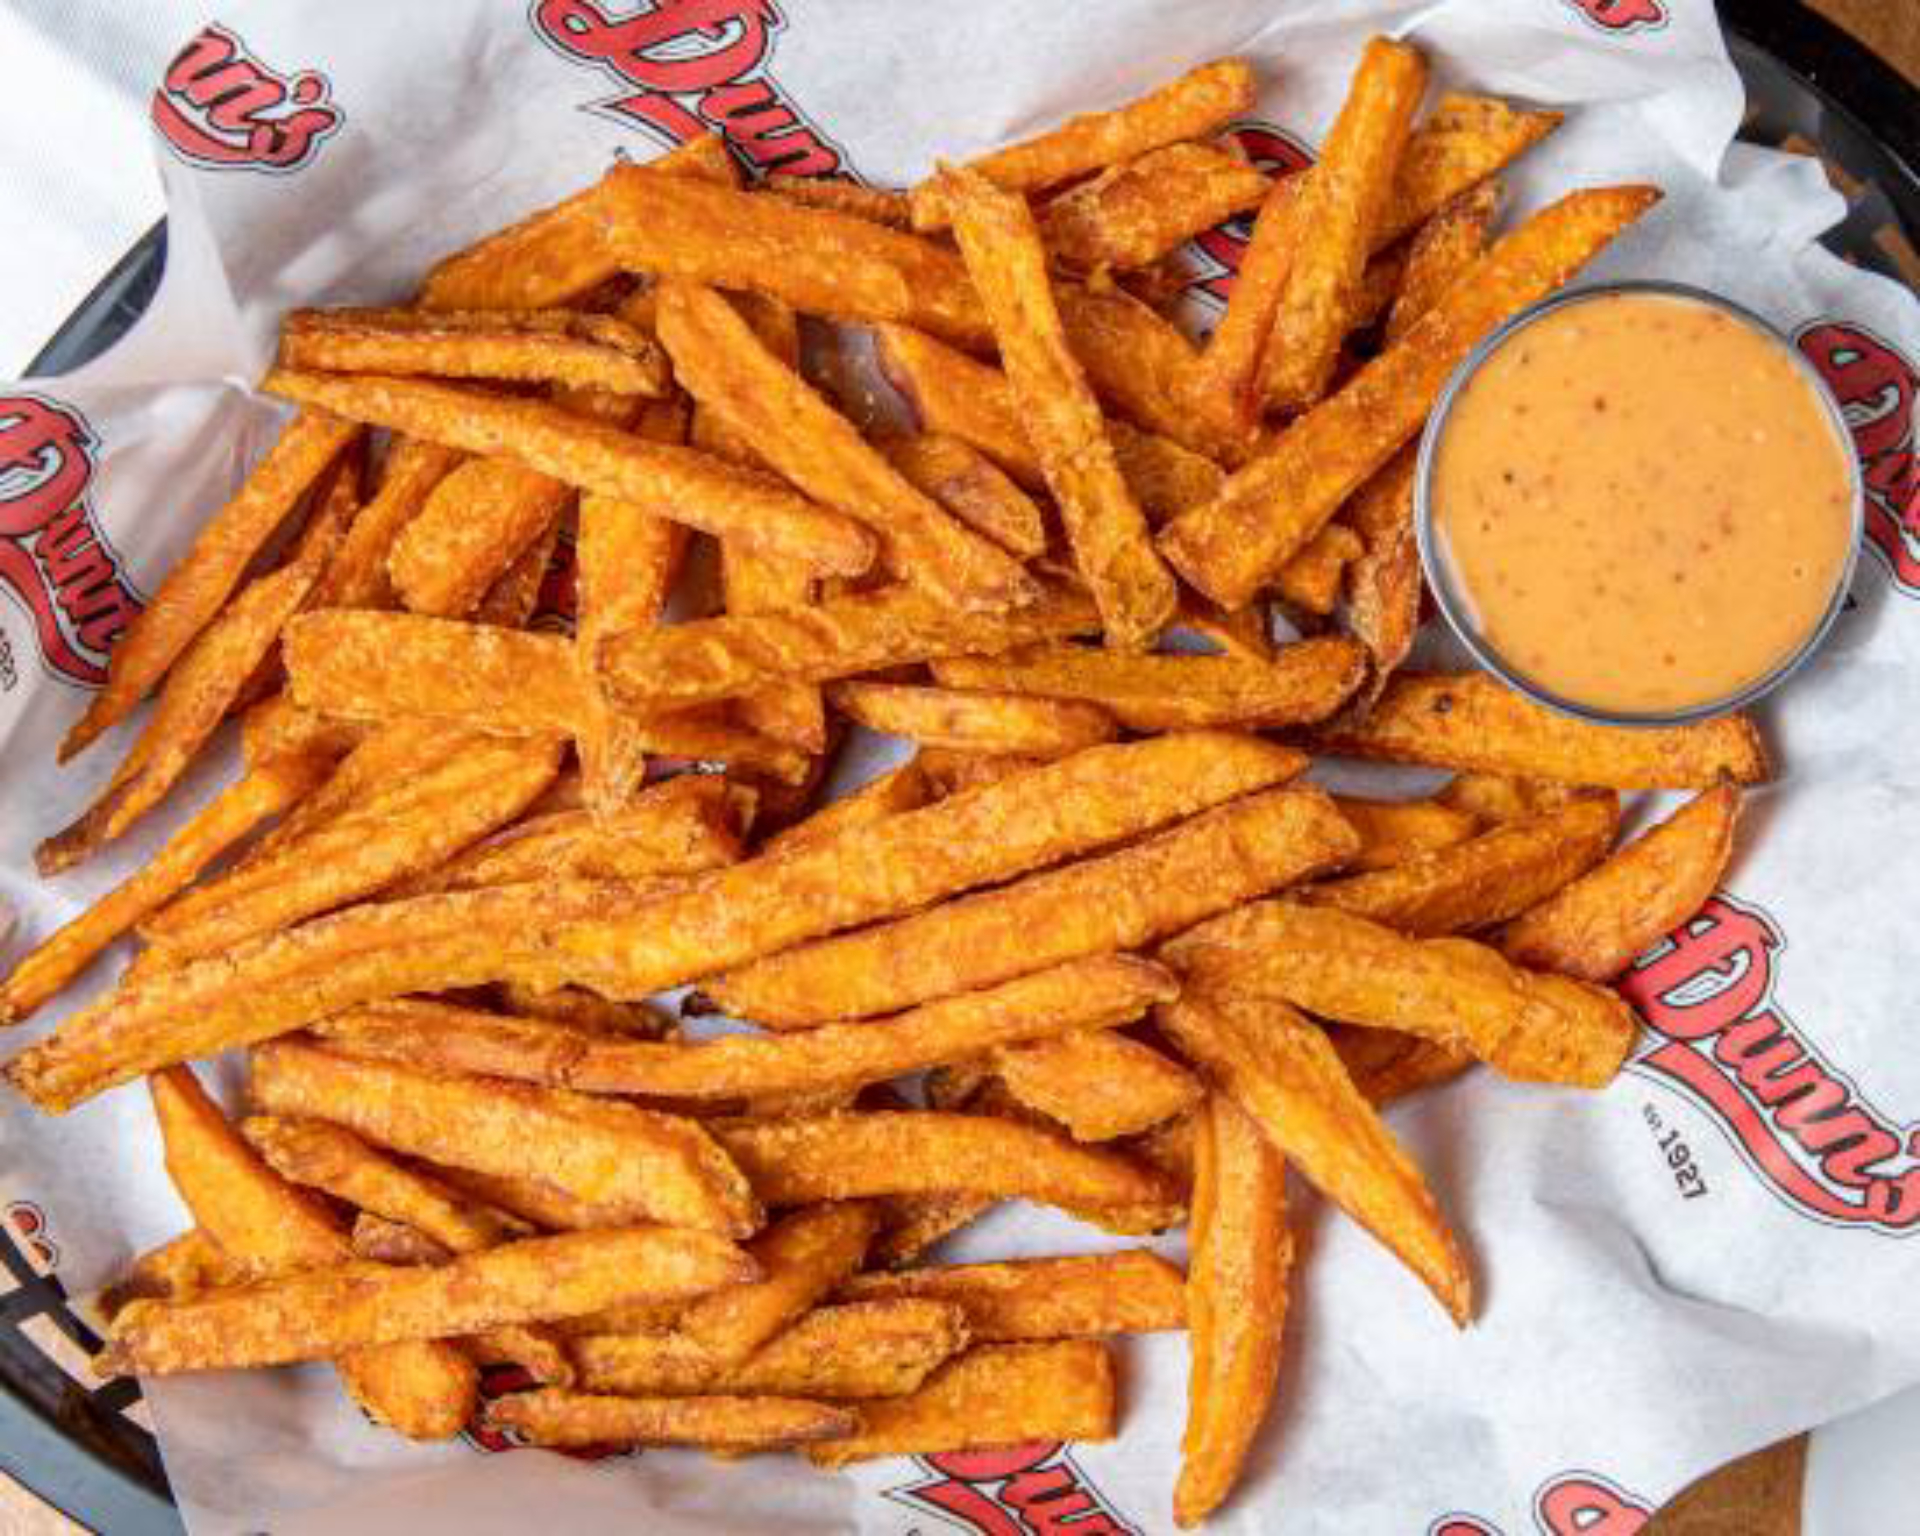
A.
pixel 1810 87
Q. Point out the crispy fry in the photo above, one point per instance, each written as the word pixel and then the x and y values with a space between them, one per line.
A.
pixel 1200 102
pixel 1098 1084
pixel 1440 250
pixel 1596 926
pixel 689 487
pixel 585 1010
pixel 951 772
pixel 1340 204
pixel 1494 799
pixel 1384 584
pixel 261 792
pixel 1136 212
pixel 1464 140
pixel 972 487
pixel 535 1348
pixel 1393 831
pixel 879 1348
pixel 1237 1284
pixel 906 788
pixel 1267 511
pixel 356 576
pixel 1484 880
pixel 183 1266
pixel 515 595
pixel 1473 722
pixel 393 1242
pixel 320 1313
pixel 550 346
pixel 556 1418
pixel 654 1166
pixel 999 1394
pixel 1305 681
pixel 1311 579
pixel 1227 378
pixel 874 204
pixel 469 530
pixel 915 1223
pixel 1165 478
pixel 969 721
pixel 802 1257
pixel 1167 1148
pixel 1134 1291
pixel 1288 1079
pixel 551 1209
pixel 1124 900
pixel 1530 1026
pixel 1246 634
pixel 278 727
pixel 201 583
pixel 1386 1065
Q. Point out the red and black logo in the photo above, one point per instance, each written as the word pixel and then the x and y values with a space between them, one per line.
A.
pixel 1024 1490
pixel 55 560
pixel 688 66
pixel 1217 253
pixel 222 108
pixel 1708 992
pixel 1876 384
pixel 1572 1504
pixel 1623 15
pixel 28 1223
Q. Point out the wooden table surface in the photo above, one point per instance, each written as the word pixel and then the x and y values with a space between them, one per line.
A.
pixel 1756 1496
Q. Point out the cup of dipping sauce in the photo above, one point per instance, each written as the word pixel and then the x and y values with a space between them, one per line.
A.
pixel 1638 504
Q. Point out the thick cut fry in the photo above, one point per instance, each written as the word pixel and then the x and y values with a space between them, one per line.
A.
pixel 1595 927
pixel 424 1390
pixel 1530 1026
pixel 967 721
pixel 1200 102
pixel 1439 251
pixel 1311 579
pixel 182 1266
pixel 1286 1076
pixel 906 788
pixel 1134 213
pixel 802 1257
pixel 711 659
pixel 1105 527
pixel 1484 880
pixel 1471 721
pixel 552 346
pixel 278 727
pixel 556 1418
pixel 473 525
pixel 1135 1291
pixel 1098 1084
pixel 1165 478
pixel 874 204
pixel 1386 1065
pixel 1304 682
pixel 689 487
pixel 1394 831
pixel 1493 799
pixel 1384 585
pixel 1124 900
pixel 1237 1283
pixel 356 576
pixel 206 576
pixel 654 1166
pixel 1096 993
pixel 972 487
pixel 321 1313
pixel 1464 140
pixel 950 772
pixel 551 1209
pixel 1340 205
pixel 1268 510
pixel 996 1395
pixel 262 792
pixel 878 1348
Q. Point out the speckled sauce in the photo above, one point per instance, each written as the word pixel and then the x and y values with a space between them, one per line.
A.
pixel 1643 501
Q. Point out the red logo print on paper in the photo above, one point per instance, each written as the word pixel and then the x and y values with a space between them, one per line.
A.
pixel 220 107
pixel 54 559
pixel 1876 385
pixel 1024 1490
pixel 1709 992
pixel 687 66
pixel 1572 1504
pixel 1217 253
pixel 1623 15
pixel 27 1225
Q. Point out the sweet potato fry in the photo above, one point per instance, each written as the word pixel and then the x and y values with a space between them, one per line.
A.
pixel 392 1242
pixel 1165 478
pixel 182 1266
pixel 549 1208
pixel 915 1223
pixel 556 1418
pixel 539 346
pixel 1340 204
pixel 1484 880
pixel 998 1394
pixel 1304 682
pixel 1285 1075
pixel 1439 251
pixel 472 526
pixel 1134 1291
pixel 1132 214
pixel 969 721
pixel 585 1010
pixel 802 1257
pixel 1098 1084
pixel 906 788
pixel 317 1314
pixel 1530 1026
pixel 262 792
pixel 1311 579
pixel 972 487
pixel 879 1348
pixel 1268 510
pixel 1464 140
pixel 951 772
pixel 1494 799
pixel 533 1347
pixel 1123 900
pixel 874 204
pixel 689 487
pixel 1393 831
pixel 1386 1065
pixel 356 576
pixel 1595 927
pixel 1200 102
pixel 1384 584
pixel 1471 721
pixel 197 587
pixel 278 727
pixel 1227 381
pixel 1237 1283
pixel 1246 634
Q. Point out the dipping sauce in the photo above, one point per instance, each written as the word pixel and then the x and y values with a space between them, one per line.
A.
pixel 1643 501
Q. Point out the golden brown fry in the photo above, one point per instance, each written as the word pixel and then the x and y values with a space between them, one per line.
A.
pixel 471 528
pixel 1168 1149
pixel 1134 1291
pixel 379 761
pixel 1246 634
pixel 906 788
pixel 689 487
pixel 1227 377
pixel 654 1166
pixel 802 1257
pixel 1440 250
pixel 915 1223
pixel 1464 140
pixel 1286 1076
pixel 1200 102
pixel 1105 527
pixel 1471 721
pixel 1384 585
pixel 972 487
pixel 951 772
pixel 392 1242
pixel 1305 681
pixel 1393 831
pixel 1124 900
pixel 585 1010
pixel 1165 478
pixel 1494 799
pixel 278 727
pixel 1596 926
pixel 1267 511
pixel 551 1209
pixel 874 204
pixel 1237 1284
pixel 552 346
pixel 356 576
pixel 968 721
pixel 1136 212
pixel 1530 1026
pixel 536 1349
pixel 1098 1084
pixel 1386 1065
pixel 1311 579
pixel 995 1395
pixel 182 1266
pixel 556 1418
pixel 1340 204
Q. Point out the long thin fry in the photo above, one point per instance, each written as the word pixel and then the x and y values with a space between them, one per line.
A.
pixel 1386 1065
pixel 972 487
pixel 1133 1291
pixel 1134 213
pixel 801 1257
pixel 557 1418
pixel 278 727
pixel 969 721
pixel 875 205
pixel 581 351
